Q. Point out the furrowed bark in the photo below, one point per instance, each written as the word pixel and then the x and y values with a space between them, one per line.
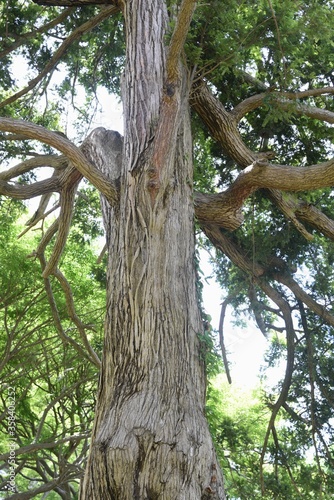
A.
pixel 150 437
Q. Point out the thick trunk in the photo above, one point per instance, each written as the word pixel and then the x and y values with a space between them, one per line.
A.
pixel 150 437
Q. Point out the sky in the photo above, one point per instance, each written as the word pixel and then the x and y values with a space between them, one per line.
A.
pixel 245 346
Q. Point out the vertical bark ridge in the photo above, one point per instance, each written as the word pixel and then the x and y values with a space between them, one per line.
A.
pixel 150 438
pixel 145 24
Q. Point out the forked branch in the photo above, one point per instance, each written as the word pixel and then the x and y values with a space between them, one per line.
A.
pixel 260 174
pixel 72 152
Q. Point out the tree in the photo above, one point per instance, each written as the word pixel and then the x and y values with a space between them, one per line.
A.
pixel 252 84
pixel 47 373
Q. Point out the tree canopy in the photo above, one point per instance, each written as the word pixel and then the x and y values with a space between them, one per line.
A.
pixel 262 110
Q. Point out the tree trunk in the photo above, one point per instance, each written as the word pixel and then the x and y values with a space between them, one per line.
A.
pixel 150 438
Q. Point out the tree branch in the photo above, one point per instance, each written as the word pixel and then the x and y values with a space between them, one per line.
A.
pixel 257 272
pixel 282 98
pixel 304 297
pixel 221 339
pixel 74 154
pixel 225 208
pixel 53 305
pixel 223 128
pixel 76 34
pixel 221 124
pixel 178 38
pixel 67 199
pixel 54 161
pixel 299 209
pixel 75 318
pixel 222 209
pixel 25 192
pixel 32 34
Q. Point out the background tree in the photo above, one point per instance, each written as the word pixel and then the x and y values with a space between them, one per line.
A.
pixel 259 83
pixel 44 357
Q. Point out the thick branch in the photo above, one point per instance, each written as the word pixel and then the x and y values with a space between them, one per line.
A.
pixel 222 125
pixel 74 154
pixel 53 161
pixel 25 192
pixel 225 208
pixel 299 209
pixel 178 38
pixel 304 297
pixel 223 128
pixel 289 206
pixel 222 209
pixel 313 216
pixel 286 178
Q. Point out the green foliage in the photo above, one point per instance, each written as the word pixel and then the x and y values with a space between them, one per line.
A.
pixel 237 422
pixel 54 384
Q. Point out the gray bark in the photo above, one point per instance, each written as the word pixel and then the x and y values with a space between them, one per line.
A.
pixel 150 438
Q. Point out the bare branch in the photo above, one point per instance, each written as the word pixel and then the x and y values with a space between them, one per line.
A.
pixel 74 154
pixel 178 38
pixel 255 82
pixel 221 339
pixel 40 214
pixel 75 318
pixel 282 98
pixel 257 272
pixel 53 161
pixel 102 254
pixel 304 297
pixel 225 208
pixel 289 207
pixel 222 125
pixel 223 128
pixel 311 111
pixel 67 199
pixel 30 448
pixel 76 34
pixel 32 34
pixel 65 338
pixel 299 178
pixel 303 211
pixel 25 192
pixel 257 308
pixel 222 209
